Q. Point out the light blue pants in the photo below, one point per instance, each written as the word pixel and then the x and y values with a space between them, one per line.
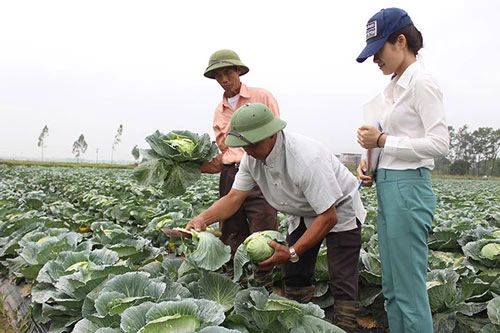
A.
pixel 406 206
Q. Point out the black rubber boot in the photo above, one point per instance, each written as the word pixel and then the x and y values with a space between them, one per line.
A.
pixel 299 294
pixel 263 278
pixel 345 315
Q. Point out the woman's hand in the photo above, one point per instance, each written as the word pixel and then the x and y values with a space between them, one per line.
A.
pixel 363 176
pixel 369 136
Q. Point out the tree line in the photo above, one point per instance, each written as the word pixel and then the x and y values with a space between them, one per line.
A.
pixel 80 145
pixel 472 153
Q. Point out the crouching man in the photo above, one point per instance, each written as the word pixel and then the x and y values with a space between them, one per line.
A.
pixel 300 177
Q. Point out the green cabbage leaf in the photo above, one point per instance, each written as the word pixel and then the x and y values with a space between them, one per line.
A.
pixel 208 252
pixel 273 313
pixel 186 315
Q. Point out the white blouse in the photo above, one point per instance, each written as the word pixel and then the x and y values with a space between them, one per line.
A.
pixel 411 112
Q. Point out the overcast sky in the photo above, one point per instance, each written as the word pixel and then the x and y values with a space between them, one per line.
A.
pixel 85 67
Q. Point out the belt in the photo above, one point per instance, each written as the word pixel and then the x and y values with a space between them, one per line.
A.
pixel 391 175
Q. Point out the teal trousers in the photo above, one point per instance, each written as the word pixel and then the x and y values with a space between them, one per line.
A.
pixel 406 207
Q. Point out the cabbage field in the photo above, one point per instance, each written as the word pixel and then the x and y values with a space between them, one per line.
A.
pixel 87 246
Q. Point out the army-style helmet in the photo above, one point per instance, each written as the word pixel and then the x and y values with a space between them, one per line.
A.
pixel 224 58
pixel 252 123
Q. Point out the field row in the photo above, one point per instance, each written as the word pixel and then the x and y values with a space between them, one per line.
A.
pixel 81 237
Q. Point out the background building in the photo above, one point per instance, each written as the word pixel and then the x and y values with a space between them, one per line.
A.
pixel 350 159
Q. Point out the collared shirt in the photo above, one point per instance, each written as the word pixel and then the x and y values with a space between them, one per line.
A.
pixel 413 117
pixel 302 178
pixel 222 120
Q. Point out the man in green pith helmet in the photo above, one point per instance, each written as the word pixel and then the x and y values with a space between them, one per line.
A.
pixel 300 177
pixel 255 214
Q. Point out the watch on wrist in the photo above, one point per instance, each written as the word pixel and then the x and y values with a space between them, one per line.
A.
pixel 294 257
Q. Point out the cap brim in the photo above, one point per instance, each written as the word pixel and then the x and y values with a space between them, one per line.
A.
pixel 210 71
pixel 370 49
pixel 257 134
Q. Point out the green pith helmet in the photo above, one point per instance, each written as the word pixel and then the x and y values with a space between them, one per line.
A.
pixel 224 58
pixel 252 123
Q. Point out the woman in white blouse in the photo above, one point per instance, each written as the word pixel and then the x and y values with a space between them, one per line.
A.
pixel 406 131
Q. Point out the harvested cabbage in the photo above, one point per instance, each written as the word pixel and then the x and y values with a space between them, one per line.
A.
pixel 254 249
pixel 257 247
pixel 174 160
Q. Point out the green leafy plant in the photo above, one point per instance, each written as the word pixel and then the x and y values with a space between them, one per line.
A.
pixel 174 160
pixel 208 252
pixel 43 208
pixel 484 251
pixel 258 311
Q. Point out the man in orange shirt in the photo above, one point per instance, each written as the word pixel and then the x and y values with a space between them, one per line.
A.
pixel 255 214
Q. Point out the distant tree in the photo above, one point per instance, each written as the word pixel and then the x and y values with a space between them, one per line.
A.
pixel 464 145
pixel 496 168
pixel 484 147
pixel 495 139
pixel 453 142
pixel 477 150
pixel 79 147
pixel 442 165
pixel 117 140
pixel 136 153
pixel 459 168
pixel 41 138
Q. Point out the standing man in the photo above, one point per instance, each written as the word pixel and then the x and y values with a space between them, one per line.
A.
pixel 300 177
pixel 255 214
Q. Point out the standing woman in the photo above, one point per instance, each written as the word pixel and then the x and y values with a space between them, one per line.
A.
pixel 411 132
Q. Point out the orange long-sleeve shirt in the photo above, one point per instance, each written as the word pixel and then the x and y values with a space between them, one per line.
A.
pixel 222 120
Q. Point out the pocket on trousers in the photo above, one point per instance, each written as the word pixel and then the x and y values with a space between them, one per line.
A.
pixel 419 201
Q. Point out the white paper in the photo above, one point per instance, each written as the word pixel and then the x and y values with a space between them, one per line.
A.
pixel 371 115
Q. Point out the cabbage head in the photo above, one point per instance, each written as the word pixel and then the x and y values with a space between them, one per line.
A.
pixel 484 251
pixel 491 250
pixel 180 146
pixel 255 249
pixel 182 143
pixel 257 245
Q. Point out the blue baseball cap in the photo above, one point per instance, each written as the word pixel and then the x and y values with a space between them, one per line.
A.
pixel 379 27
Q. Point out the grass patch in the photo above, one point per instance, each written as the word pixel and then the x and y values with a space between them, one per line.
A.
pixel 67 164
pixel 5 325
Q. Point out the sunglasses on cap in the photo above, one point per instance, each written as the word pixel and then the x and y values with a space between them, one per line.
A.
pixel 221 62
pixel 241 137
